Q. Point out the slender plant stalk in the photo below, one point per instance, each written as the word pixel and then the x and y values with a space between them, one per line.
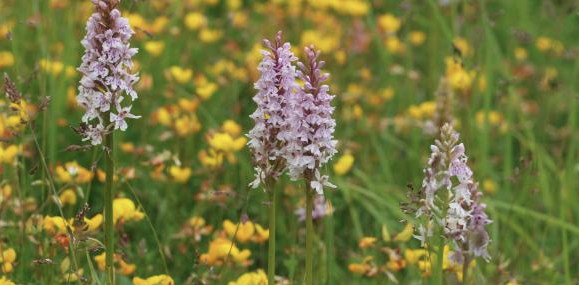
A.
pixel 309 235
pixel 465 266
pixel 271 254
pixel 109 229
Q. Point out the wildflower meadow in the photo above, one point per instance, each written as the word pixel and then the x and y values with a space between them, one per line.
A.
pixel 255 142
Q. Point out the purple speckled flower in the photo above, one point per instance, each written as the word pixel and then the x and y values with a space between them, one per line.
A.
pixel 106 69
pixel 310 138
pixel 267 139
pixel 463 218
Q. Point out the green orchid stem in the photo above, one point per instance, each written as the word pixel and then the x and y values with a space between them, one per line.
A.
pixel 309 235
pixel 271 255
pixel 109 228
pixel 465 266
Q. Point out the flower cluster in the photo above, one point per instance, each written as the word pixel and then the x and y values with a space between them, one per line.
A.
pixel 461 214
pixel 106 69
pixel 275 87
pixel 310 137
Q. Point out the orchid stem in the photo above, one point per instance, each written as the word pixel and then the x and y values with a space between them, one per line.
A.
pixel 271 255
pixel 109 228
pixel 309 235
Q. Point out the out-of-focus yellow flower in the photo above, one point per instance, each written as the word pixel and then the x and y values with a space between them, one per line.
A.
pixel 68 197
pixel 387 94
pixel 124 210
pixel 101 261
pixel 53 67
pixel 261 234
pixel 363 268
pixel 205 91
pixel 344 164
pixel 6 59
pixel 325 43
pixel 159 24
pixel 186 125
pixel 459 78
pixel 196 221
pixel 251 278
pixel 136 21
pixel 8 154
pixel 211 159
pixel 405 234
pixel 72 172
pixel 155 48
pixel 356 8
pixel 154 280
pixel 389 23
pixel 181 75
pixel 210 35
pixel 124 268
pixel 521 53
pixel 393 45
pixel 493 118
pixel 7 259
pixel 231 127
pixel 239 20
pixel 220 249
pixel 357 111
pixel 414 255
pixel 195 20
pixel 544 44
pixel 244 231
pixel 180 174
pixel 94 223
pixel 463 46
pixel 102 176
pixel 54 225
pixel 367 242
pixel 511 282
pixel 5 281
pixel 234 4
pixel 417 38
pixel 489 186
pixel 224 142
pixel 188 105
pixel 423 111
pixel 5 192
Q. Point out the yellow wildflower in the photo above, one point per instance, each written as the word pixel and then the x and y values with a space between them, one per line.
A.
pixel 417 38
pixel 8 154
pixel 181 75
pixel 225 143
pixel 544 44
pixel 180 174
pixel 405 234
pixel 393 45
pixel 68 197
pixel 71 172
pixel 154 280
pixel 463 46
pixel 210 36
pixel 220 248
pixel 367 242
pixel 251 278
pixel 521 53
pixel 261 234
pixel 344 164
pixel 244 231
pixel 155 48
pixel 195 20
pixel 54 225
pixel 205 91
pixel 124 210
pixel 6 59
pixel 5 281
pixel 389 23
pixel 489 186
pixel 7 259
pixel 458 77
pixel 211 158
pixel 231 127
pixel 413 256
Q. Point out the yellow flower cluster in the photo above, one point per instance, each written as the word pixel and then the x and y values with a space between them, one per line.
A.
pixel 251 278
pixel 124 268
pixel 459 78
pixel 54 225
pixel 154 280
pixel 124 210
pixel 248 231
pixel 222 249
pixel 223 143
pixel 56 68
pixel 181 117
pixel 73 173
pixel 180 174
pixel 6 281
pixel 6 59
pixel 344 164
pixel 7 259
